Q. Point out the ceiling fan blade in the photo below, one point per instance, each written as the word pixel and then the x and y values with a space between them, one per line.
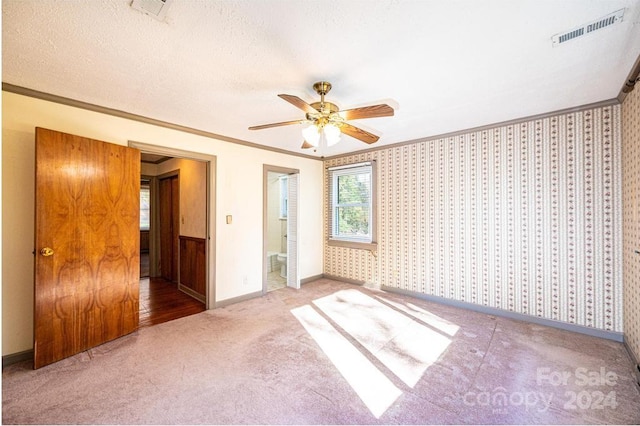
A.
pixel 296 101
pixel 282 123
pixel 306 145
pixel 358 133
pixel 381 110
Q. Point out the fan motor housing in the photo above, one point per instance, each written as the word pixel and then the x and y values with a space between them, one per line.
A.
pixel 325 107
pixel 322 87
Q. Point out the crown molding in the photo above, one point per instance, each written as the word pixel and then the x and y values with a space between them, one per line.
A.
pixel 142 119
pixel 7 87
pixel 481 128
pixel 631 81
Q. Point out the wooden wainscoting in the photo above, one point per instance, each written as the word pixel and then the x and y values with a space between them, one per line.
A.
pixel 144 241
pixel 193 267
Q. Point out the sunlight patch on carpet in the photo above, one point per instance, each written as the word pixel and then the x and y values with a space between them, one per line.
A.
pixel 425 316
pixel 405 346
pixel 403 337
pixel 375 390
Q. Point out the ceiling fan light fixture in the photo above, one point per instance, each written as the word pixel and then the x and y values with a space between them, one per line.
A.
pixel 332 134
pixel 311 134
pixel 326 122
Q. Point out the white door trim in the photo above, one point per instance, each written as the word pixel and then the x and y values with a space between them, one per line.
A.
pixel 211 161
pixel 266 168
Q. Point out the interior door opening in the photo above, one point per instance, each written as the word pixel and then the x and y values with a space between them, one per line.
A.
pixel 280 229
pixel 175 283
pixel 145 224
pixel 169 225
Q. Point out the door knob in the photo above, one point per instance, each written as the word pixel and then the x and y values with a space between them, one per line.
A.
pixel 46 251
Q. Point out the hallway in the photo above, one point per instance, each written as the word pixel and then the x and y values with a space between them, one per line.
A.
pixel 161 301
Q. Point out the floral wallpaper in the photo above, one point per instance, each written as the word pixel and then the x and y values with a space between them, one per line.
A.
pixel 524 217
pixel 631 218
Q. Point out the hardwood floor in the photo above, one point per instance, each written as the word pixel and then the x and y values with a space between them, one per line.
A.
pixel 161 301
pixel 144 265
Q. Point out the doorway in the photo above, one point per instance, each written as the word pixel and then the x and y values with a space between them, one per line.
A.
pixel 181 222
pixel 161 298
pixel 280 228
pixel 169 224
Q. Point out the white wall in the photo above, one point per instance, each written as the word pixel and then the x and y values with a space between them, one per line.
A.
pixel 239 186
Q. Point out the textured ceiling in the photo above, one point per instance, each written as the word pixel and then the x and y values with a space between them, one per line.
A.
pixel 218 66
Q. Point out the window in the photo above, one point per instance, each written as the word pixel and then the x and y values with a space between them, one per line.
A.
pixel 145 194
pixel 284 196
pixel 351 203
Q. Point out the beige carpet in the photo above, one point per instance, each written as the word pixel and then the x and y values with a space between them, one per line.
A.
pixel 332 353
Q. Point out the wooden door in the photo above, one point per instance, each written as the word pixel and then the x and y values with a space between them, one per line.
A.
pixel 169 227
pixel 87 257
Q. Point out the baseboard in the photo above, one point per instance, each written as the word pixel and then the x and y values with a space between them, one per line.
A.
pixel 610 335
pixel 634 358
pixel 604 334
pixel 199 297
pixel 632 354
pixel 234 300
pixel 313 278
pixel 342 279
pixel 17 357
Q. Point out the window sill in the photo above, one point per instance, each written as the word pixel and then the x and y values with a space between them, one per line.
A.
pixel 353 244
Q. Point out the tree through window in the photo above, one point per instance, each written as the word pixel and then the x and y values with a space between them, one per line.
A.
pixel 351 203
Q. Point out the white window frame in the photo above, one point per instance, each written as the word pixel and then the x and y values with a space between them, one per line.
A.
pixel 364 242
pixel 146 188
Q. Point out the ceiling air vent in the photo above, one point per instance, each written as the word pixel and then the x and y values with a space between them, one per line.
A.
pixel 154 8
pixel 598 24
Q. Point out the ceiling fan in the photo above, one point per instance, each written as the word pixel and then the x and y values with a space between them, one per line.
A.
pixel 326 119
